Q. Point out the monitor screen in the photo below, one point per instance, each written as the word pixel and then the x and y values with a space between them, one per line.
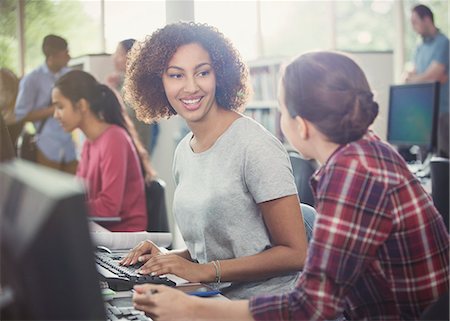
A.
pixel 413 115
pixel 47 266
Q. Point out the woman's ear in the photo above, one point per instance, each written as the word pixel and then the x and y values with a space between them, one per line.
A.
pixel 82 105
pixel 303 127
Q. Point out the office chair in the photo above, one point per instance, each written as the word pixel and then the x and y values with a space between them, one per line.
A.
pixel 156 206
pixel 439 171
pixel 302 170
pixel 437 310
pixel 309 215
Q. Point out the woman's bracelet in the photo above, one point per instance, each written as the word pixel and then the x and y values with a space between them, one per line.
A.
pixel 216 264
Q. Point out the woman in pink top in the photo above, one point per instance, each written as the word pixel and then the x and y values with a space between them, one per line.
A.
pixel 110 164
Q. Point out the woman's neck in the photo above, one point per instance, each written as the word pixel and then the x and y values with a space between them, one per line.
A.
pixel 206 133
pixel 93 128
pixel 325 151
pixel 321 148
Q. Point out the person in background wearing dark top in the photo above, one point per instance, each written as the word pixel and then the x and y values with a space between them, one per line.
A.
pixel 9 86
pixel 380 250
pixel 148 133
pixel 109 164
pixel 55 147
pixel 431 63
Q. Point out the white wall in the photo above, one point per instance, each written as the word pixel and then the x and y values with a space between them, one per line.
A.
pixel 379 70
pixel 99 65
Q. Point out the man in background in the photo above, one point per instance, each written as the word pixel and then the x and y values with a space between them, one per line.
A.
pixel 55 147
pixel 431 63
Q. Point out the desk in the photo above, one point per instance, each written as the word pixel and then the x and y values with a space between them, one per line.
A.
pixel 126 240
pixel 422 173
pixel 119 303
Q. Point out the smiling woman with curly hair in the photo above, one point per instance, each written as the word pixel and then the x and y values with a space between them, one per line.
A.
pixel 148 59
pixel 235 201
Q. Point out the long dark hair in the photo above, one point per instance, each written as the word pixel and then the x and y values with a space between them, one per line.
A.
pixel 331 91
pixel 78 84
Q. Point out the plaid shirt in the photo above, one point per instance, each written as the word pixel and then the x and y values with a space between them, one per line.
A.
pixel 380 249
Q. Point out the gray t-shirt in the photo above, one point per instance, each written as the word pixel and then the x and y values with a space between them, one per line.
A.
pixel 215 201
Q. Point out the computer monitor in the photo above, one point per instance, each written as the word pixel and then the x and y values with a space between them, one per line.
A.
pixel 413 114
pixel 46 255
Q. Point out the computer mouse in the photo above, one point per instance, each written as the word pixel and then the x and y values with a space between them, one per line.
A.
pixel 103 249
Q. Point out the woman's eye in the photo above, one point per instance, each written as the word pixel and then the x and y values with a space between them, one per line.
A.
pixel 175 76
pixel 204 73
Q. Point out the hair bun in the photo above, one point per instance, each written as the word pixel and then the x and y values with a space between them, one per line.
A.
pixel 368 107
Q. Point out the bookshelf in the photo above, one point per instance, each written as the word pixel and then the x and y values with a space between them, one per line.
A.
pixel 263 106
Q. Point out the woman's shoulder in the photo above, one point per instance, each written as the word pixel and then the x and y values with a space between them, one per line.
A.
pixel 114 136
pixel 114 131
pixel 251 131
pixel 373 157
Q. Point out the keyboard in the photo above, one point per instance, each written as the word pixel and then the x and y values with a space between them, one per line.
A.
pixel 114 313
pixel 123 278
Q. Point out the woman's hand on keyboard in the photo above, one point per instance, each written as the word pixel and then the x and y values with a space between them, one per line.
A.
pixel 141 253
pixel 175 264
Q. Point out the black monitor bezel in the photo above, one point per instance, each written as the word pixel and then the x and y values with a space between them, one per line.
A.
pixel 67 288
pixel 432 145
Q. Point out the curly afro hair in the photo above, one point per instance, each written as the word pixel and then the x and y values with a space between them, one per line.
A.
pixel 147 61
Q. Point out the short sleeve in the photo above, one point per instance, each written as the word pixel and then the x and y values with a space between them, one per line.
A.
pixel 441 54
pixel 267 169
pixel 113 166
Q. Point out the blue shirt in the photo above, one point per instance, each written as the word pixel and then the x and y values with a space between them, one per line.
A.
pixel 436 49
pixel 35 93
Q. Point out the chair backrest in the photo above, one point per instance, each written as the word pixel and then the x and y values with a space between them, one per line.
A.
pixel 156 206
pixel 309 216
pixel 439 171
pixel 438 310
pixel 302 170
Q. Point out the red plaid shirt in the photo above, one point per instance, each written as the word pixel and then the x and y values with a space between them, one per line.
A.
pixel 380 249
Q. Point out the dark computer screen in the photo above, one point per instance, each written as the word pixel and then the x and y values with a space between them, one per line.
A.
pixel 413 115
pixel 46 255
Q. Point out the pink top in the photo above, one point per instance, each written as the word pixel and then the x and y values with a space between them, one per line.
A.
pixel 111 169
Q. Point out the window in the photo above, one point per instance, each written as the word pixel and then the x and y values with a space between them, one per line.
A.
pixel 371 29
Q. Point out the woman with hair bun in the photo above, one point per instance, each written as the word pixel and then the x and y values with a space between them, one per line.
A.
pixel 109 163
pixel 380 249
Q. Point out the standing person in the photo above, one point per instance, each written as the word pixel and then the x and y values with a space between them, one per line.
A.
pixel 379 249
pixel 148 133
pixel 235 199
pixel 6 145
pixel 55 147
pixel 432 64
pixel 109 162
pixel 9 87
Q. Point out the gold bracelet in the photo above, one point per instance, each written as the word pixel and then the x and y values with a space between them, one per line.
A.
pixel 216 264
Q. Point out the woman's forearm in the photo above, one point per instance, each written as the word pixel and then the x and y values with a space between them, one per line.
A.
pixel 221 310
pixel 272 262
